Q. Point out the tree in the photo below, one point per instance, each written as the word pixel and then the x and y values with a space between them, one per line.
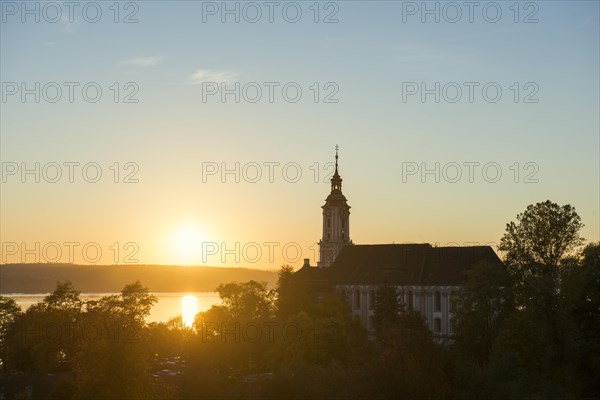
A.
pixel 484 302
pixel 387 310
pixel 65 298
pixel 515 322
pixel 42 339
pixel 233 337
pixel 133 304
pixel 542 236
pixel 113 358
pixel 246 301
pixel 325 334
pixel 538 251
pixel 580 296
pixel 406 358
pixel 9 311
pixel 292 294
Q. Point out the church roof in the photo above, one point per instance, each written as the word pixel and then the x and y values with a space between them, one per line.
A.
pixel 406 264
pixel 318 279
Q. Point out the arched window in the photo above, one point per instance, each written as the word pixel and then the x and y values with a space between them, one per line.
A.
pixel 437 302
pixel 437 325
pixel 357 299
pixel 410 300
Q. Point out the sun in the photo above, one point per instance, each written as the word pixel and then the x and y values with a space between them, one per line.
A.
pixel 189 309
pixel 186 244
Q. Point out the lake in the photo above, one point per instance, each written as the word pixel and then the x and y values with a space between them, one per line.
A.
pixel 169 305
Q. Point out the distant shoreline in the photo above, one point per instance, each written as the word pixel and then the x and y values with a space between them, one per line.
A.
pixel 42 278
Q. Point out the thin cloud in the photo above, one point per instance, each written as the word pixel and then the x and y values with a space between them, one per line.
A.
pixel 143 61
pixel 203 75
pixel 68 26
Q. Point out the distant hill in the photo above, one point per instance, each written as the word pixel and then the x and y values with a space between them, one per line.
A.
pixel 42 278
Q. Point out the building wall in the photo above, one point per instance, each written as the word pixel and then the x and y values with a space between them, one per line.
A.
pixel 361 299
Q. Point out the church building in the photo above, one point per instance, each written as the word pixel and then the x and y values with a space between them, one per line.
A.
pixel 426 278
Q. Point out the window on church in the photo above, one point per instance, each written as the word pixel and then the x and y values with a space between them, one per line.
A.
pixel 410 300
pixel 329 236
pixel 453 299
pixel 371 299
pixel 453 325
pixel 329 222
pixel 437 302
pixel 437 325
pixel 357 299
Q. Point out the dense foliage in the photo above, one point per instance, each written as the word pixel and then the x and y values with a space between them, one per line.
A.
pixel 527 328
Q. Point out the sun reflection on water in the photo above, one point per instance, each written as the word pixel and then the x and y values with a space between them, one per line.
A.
pixel 189 309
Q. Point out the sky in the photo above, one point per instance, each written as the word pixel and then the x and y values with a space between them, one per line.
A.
pixel 203 133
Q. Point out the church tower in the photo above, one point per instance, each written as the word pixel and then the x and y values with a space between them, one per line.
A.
pixel 336 221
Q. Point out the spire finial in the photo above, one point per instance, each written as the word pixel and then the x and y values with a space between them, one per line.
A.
pixel 336 181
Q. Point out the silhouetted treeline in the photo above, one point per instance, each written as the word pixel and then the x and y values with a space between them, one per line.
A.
pixel 42 278
pixel 527 328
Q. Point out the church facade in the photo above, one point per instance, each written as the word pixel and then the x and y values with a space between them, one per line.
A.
pixel 426 278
